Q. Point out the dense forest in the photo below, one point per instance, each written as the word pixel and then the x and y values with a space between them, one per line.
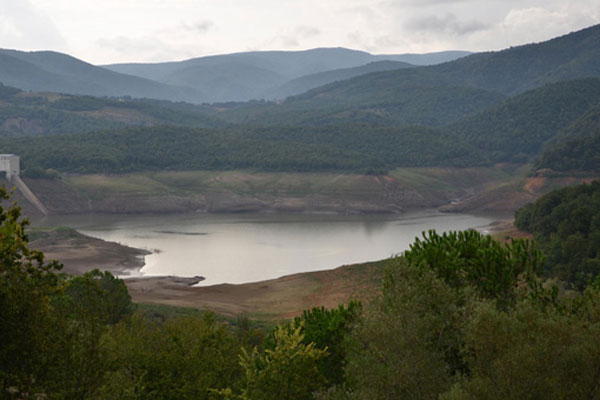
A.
pixel 460 316
pixel 362 148
pixel 577 148
pixel 566 224
pixel 34 114
pixel 87 134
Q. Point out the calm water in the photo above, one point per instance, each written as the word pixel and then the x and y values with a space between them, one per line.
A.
pixel 247 248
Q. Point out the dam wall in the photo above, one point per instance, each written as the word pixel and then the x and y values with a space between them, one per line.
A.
pixel 28 194
pixel 10 163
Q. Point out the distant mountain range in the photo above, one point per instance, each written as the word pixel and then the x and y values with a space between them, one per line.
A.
pixel 231 77
pixel 506 106
pixel 48 71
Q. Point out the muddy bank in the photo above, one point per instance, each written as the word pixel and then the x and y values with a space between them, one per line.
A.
pixel 80 253
pixel 284 297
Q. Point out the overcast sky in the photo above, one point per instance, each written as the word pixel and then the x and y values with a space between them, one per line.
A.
pixel 107 31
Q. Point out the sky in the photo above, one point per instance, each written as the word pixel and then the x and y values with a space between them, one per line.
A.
pixel 112 31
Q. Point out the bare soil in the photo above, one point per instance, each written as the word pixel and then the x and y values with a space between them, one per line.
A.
pixel 80 253
pixel 274 299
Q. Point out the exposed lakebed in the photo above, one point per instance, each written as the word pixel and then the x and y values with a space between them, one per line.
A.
pixel 244 248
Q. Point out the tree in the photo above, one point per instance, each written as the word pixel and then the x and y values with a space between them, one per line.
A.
pixel 406 345
pixel 288 371
pixel 26 284
pixel 471 258
pixel 181 358
pixel 328 330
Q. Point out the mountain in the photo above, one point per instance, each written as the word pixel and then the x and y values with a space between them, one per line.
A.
pixel 579 148
pixel 508 72
pixel 435 95
pixel 426 58
pixel 251 75
pixel 422 98
pixel 31 113
pixel 307 82
pixel 518 127
pixel 56 72
pixel 517 69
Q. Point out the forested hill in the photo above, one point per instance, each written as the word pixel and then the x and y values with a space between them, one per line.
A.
pixel 518 127
pixel 421 98
pixel 566 223
pixel 56 72
pixel 307 82
pixel 27 113
pixel 258 74
pixel 510 71
pixel 517 69
pixel 352 148
pixel 579 148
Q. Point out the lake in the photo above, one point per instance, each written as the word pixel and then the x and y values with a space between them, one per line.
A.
pixel 247 248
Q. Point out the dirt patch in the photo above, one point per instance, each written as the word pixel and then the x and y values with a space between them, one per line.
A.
pixel 80 253
pixel 534 184
pixel 280 298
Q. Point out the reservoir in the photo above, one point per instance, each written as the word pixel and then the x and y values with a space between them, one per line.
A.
pixel 244 248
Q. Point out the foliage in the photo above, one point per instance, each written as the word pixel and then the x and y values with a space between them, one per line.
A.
pixel 288 371
pixel 357 148
pixel 42 114
pixel 471 258
pixel 516 129
pixel 26 284
pixel 566 223
pixel 405 346
pixel 328 330
pixel 578 148
pixel 532 353
pixel 428 339
pixel 181 358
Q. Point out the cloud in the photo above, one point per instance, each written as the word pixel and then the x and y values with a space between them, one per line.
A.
pixel 307 31
pixel 147 48
pixel 295 37
pixel 448 24
pixel 201 27
pixel 24 26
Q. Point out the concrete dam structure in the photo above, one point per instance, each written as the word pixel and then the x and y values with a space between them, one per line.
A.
pixel 10 164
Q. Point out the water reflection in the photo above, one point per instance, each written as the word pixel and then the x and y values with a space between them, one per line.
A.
pixel 245 248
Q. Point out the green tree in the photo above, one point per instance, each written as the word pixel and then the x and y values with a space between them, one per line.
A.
pixel 329 329
pixel 471 258
pixel 532 353
pixel 181 358
pixel 288 371
pixel 26 284
pixel 406 346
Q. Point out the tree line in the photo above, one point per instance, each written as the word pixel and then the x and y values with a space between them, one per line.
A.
pixel 460 316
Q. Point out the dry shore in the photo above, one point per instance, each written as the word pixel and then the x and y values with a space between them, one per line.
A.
pixel 80 253
pixel 284 297
pixel 274 299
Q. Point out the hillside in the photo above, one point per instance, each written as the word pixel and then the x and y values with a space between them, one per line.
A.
pixel 256 75
pixel 356 148
pixel 307 82
pixel 579 147
pixel 565 223
pixel 31 113
pixel 56 72
pixel 423 98
pixel 517 128
pixel 509 72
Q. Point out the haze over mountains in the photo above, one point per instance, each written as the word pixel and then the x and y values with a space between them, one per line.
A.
pixel 504 106
pixel 232 77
